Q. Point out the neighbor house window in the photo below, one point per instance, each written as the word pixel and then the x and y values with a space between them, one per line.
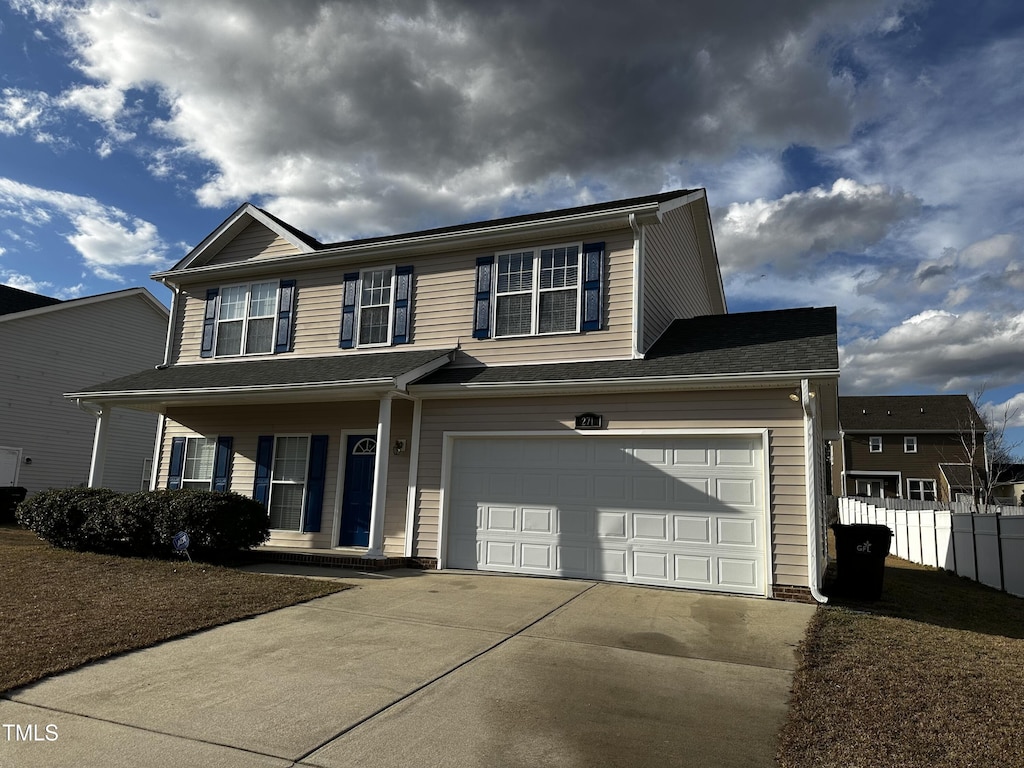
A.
pixel 197 470
pixel 288 482
pixel 875 444
pixel 537 291
pixel 910 444
pixel 245 319
pixel 921 490
pixel 869 487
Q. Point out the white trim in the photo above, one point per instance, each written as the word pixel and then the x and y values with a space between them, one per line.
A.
pixel 814 571
pixel 414 468
pixel 906 438
pixel 246 317
pixel 339 491
pixel 871 444
pixel 535 290
pixel 213 464
pixel 638 252
pixel 447 451
pixel 932 480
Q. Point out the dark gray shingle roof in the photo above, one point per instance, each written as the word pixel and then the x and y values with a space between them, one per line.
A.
pixel 938 413
pixel 272 372
pixel 16 300
pixel 776 341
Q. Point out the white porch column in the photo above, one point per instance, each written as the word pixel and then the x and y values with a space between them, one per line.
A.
pixel 380 480
pixel 99 446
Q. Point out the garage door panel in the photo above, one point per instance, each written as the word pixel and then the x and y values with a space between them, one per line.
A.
pixel 685 512
pixel 691 529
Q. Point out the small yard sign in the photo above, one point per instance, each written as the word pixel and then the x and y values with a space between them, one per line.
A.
pixel 180 542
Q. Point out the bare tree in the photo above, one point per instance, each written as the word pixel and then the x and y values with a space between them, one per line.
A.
pixel 982 434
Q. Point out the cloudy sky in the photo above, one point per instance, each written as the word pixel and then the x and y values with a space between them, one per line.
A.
pixel 862 153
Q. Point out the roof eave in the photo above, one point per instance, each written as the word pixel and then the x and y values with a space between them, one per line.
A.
pixel 620 384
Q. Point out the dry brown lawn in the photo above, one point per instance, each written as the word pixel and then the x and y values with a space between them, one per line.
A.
pixel 930 675
pixel 61 609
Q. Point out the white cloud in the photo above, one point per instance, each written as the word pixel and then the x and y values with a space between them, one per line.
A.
pixel 106 237
pixel 802 228
pixel 23 111
pixel 24 282
pixel 449 110
pixel 937 349
pixel 1012 408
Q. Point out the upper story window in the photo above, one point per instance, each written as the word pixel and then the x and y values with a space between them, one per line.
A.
pixel 875 444
pixel 375 307
pixel 552 289
pixel 251 319
pixel 245 321
pixel 909 444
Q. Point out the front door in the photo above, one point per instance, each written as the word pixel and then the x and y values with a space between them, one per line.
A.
pixel 358 491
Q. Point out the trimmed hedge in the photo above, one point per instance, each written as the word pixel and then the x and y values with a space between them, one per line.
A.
pixel 143 524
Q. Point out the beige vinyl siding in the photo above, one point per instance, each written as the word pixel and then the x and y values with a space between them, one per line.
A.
pixel 67 348
pixel 253 243
pixel 245 424
pixel 442 312
pixel 673 279
pixel 711 411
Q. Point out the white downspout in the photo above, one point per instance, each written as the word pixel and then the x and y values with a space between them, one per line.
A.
pixel 811 471
pixel 638 277
pixel 171 320
pixel 414 461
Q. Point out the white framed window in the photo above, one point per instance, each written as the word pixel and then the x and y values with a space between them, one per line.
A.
pixel 197 468
pixel 288 481
pixel 921 490
pixel 909 444
pixel 875 444
pixel 537 291
pixel 245 319
pixel 376 306
pixel 869 487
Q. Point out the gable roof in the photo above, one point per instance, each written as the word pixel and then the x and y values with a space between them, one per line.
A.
pixel 907 413
pixel 16 300
pixel 60 306
pixel 305 243
pixel 960 476
pixel 790 342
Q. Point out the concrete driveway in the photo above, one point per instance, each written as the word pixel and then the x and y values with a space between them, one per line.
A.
pixel 436 669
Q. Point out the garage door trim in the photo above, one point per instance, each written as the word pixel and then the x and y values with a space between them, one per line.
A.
pixel 447 453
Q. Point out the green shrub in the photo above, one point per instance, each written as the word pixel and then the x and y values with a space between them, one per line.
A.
pixel 144 524
pixel 63 516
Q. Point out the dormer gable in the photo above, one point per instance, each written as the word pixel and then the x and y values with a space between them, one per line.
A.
pixel 249 234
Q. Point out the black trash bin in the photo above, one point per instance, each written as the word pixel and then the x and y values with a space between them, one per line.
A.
pixel 9 499
pixel 860 559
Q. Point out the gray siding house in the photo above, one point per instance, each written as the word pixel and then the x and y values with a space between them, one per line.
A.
pixel 51 347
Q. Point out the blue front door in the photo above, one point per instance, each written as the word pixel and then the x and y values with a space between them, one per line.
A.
pixel 358 491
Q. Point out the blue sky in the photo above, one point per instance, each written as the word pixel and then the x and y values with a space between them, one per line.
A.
pixel 861 153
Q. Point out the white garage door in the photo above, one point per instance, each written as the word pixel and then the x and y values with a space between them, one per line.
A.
pixel 684 512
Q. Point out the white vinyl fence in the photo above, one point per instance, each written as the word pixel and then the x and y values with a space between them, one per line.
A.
pixel 987 547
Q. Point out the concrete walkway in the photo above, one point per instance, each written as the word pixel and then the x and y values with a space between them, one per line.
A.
pixel 436 669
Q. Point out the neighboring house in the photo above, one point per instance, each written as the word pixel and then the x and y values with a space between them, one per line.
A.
pixel 558 394
pixel 1008 487
pixel 51 346
pixel 921 447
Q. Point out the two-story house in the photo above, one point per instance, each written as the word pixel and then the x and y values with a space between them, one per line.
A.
pixel 50 346
pixel 920 447
pixel 560 394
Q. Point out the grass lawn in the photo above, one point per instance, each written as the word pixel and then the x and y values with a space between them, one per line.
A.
pixel 61 609
pixel 930 675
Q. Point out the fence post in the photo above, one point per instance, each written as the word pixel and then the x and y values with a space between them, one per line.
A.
pixel 999 550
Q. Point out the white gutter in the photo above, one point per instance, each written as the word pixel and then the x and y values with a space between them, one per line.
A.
pixel 811 478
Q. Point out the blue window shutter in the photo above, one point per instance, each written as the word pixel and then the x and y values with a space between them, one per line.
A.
pixel 403 295
pixel 285 312
pixel 348 310
pixel 209 322
pixel 222 465
pixel 264 459
pixel 482 305
pixel 593 286
pixel 177 466
pixel 315 483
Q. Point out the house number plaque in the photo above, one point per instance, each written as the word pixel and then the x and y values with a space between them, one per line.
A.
pixel 589 421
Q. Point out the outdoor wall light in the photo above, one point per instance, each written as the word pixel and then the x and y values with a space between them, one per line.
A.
pixel 399 447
